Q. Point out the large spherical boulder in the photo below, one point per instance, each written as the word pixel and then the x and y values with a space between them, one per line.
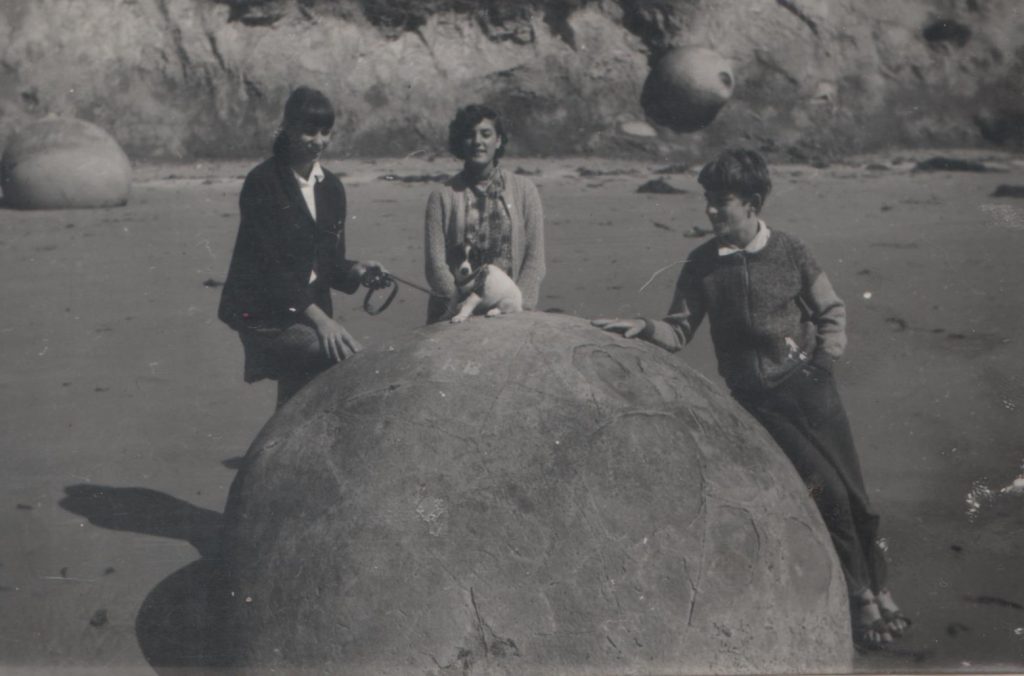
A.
pixel 64 163
pixel 687 87
pixel 525 495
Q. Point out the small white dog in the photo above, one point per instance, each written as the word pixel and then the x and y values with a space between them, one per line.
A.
pixel 480 287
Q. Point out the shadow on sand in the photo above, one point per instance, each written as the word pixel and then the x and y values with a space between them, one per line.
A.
pixel 176 626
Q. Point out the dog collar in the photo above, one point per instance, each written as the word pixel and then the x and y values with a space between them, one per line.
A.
pixel 472 277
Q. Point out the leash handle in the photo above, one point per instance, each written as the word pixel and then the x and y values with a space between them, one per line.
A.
pixel 368 306
pixel 384 281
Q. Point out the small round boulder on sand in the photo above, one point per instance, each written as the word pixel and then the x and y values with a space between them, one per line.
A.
pixel 64 163
pixel 524 495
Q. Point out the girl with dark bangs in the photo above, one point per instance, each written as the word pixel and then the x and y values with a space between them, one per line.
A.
pixel 290 253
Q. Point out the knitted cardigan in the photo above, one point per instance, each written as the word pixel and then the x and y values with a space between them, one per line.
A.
pixel 770 312
pixel 446 225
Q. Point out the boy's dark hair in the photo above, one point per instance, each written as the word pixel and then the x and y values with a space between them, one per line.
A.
pixel 306 108
pixel 462 126
pixel 739 171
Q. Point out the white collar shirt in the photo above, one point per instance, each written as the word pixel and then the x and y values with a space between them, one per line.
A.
pixel 753 246
pixel 307 187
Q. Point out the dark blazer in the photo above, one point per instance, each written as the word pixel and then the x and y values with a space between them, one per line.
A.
pixel 278 243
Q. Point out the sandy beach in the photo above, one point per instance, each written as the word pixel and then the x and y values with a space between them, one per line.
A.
pixel 124 415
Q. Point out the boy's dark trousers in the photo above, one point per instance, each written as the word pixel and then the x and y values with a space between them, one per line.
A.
pixel 807 420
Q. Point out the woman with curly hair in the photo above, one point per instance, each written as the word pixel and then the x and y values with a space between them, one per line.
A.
pixel 496 210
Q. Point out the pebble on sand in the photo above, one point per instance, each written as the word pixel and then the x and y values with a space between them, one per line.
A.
pixel 99 618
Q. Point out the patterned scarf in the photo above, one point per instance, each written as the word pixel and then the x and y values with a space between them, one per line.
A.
pixel 489 222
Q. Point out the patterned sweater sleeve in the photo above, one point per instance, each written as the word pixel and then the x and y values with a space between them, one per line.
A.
pixel 533 268
pixel 827 311
pixel 439 277
pixel 684 316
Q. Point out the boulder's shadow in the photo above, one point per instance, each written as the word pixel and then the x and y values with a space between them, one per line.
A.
pixel 176 627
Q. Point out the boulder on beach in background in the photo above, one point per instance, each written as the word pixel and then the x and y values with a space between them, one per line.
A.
pixel 64 163
pixel 525 495
pixel 687 87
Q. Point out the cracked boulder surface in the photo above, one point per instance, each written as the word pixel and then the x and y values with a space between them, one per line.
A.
pixel 208 78
pixel 525 495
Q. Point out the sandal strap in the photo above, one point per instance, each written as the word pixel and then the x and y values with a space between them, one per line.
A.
pixel 860 601
pixel 894 615
pixel 861 635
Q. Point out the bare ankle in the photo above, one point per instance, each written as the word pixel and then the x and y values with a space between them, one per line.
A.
pixel 864 596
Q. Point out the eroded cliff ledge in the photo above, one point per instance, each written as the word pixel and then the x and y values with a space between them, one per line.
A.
pixel 184 78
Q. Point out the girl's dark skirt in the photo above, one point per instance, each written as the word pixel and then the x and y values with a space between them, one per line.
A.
pixel 292 356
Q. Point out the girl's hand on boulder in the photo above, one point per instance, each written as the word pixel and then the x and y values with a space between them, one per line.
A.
pixel 629 328
pixel 336 343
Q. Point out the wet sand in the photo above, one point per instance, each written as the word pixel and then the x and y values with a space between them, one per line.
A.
pixel 117 376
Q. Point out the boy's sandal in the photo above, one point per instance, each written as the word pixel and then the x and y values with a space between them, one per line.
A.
pixel 893 618
pixel 869 636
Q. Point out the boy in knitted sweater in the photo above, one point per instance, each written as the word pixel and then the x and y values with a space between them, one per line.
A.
pixel 777 327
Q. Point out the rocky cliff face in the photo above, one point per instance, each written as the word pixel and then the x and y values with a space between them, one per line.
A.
pixel 814 78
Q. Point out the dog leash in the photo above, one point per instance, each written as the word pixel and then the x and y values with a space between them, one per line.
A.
pixel 386 280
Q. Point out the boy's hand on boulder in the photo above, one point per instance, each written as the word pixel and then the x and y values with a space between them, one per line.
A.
pixel 629 328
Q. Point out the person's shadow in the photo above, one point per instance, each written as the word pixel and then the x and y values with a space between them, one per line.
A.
pixel 176 626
